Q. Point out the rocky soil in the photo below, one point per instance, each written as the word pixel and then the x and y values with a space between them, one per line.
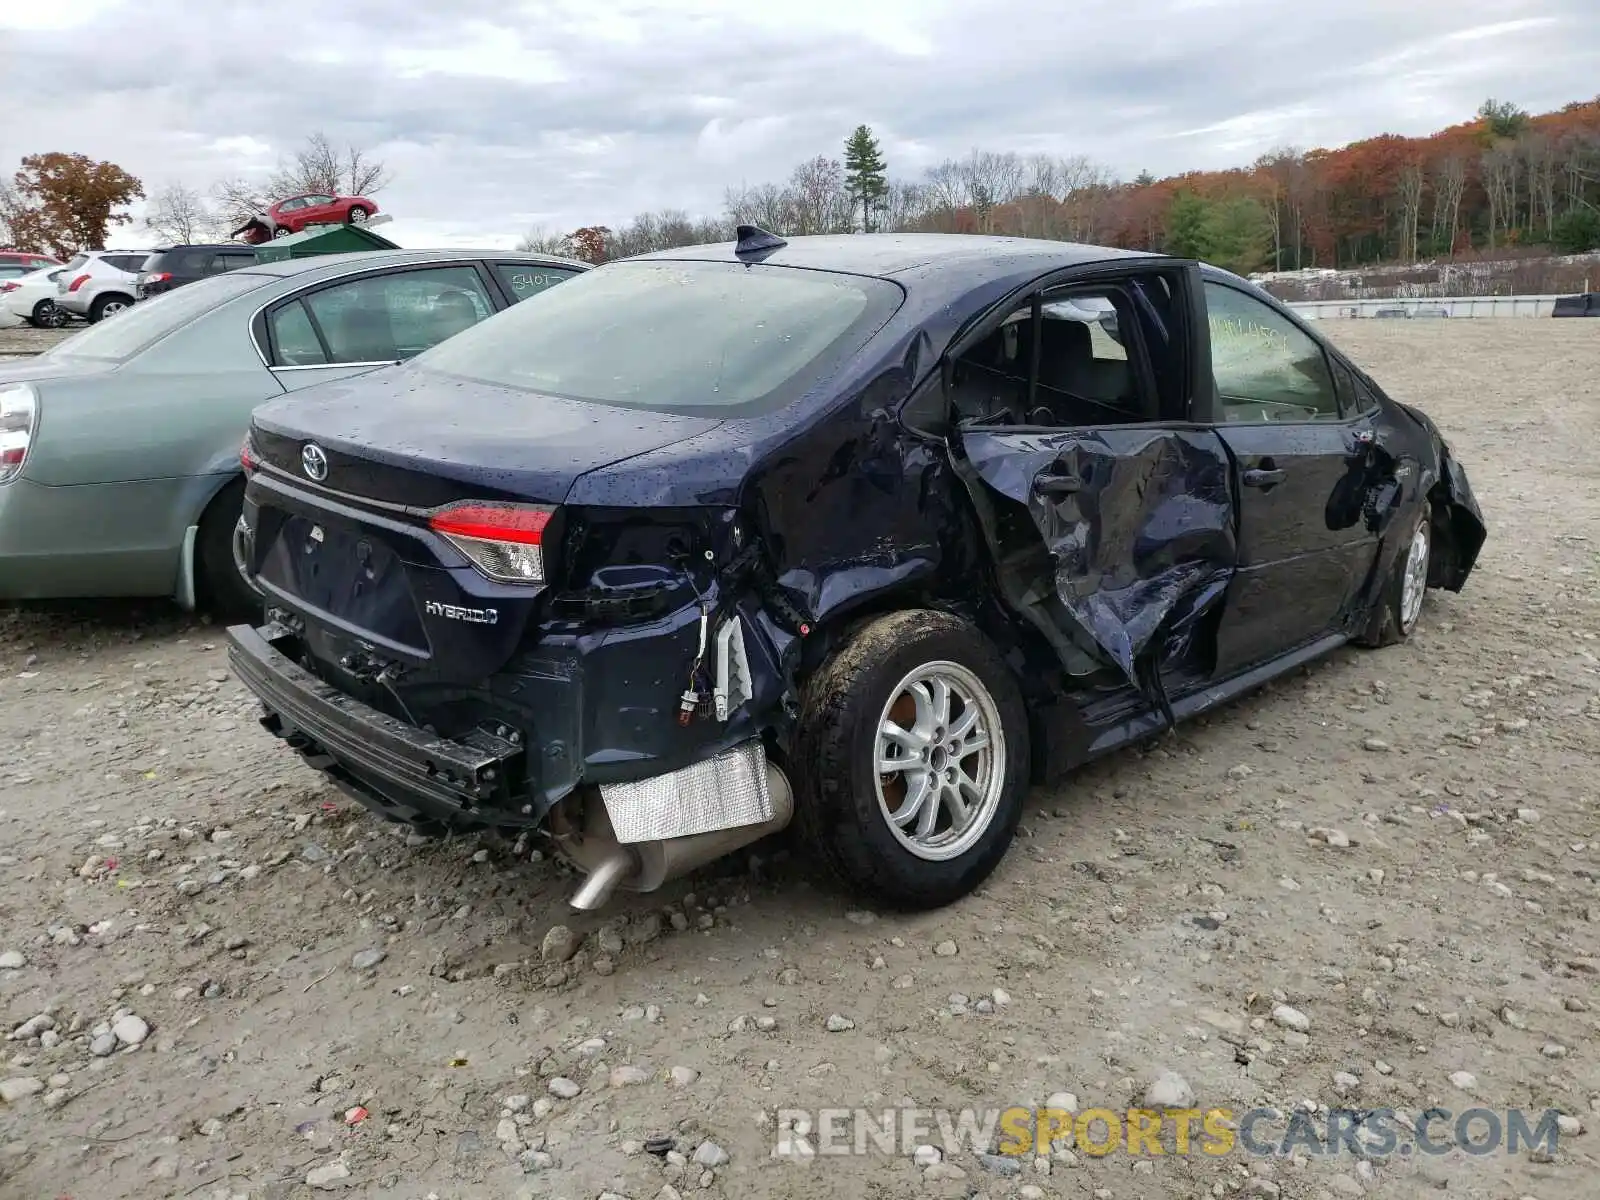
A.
pixel 21 341
pixel 1372 884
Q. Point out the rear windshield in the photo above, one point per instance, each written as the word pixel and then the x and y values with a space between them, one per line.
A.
pixel 118 338
pixel 704 338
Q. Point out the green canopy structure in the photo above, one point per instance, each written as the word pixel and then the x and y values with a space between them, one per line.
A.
pixel 322 239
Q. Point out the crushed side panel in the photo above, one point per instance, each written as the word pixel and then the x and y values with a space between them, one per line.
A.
pixel 1146 544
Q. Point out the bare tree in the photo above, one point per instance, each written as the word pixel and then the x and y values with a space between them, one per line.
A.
pixel 768 205
pixel 904 206
pixel 1541 162
pixel 539 240
pixel 1580 167
pixel 1449 185
pixel 235 201
pixel 992 180
pixel 178 214
pixel 1499 171
pixel 1408 190
pixel 10 210
pixel 1086 195
pixel 320 166
pixel 820 202
pixel 1288 187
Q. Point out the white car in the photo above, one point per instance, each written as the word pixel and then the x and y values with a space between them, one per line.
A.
pixel 98 283
pixel 32 298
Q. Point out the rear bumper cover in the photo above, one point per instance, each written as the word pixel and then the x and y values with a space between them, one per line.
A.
pixel 380 758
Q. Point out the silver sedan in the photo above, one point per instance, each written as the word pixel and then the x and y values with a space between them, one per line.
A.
pixel 119 448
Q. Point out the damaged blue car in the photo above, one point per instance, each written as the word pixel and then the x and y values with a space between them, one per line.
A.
pixel 864 534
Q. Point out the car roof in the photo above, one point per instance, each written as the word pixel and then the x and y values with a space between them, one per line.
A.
pixel 244 247
pixel 887 255
pixel 336 264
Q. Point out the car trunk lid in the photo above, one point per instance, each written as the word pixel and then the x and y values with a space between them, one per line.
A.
pixel 398 513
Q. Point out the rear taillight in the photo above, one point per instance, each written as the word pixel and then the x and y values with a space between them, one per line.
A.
pixel 19 419
pixel 505 542
pixel 77 283
pixel 247 456
pixel 157 277
pixel 9 287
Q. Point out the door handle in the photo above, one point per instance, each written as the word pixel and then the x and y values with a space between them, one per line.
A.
pixel 1263 478
pixel 1057 485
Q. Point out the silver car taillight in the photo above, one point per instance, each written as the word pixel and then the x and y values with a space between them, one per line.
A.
pixel 19 418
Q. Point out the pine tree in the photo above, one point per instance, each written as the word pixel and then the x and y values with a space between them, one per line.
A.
pixel 864 173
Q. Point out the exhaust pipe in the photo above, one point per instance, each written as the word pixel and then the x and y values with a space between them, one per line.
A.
pixel 603 880
pixel 646 866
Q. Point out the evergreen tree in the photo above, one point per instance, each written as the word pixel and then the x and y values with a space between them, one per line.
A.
pixel 864 173
pixel 1186 226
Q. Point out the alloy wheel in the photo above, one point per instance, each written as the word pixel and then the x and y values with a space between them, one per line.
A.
pixel 941 761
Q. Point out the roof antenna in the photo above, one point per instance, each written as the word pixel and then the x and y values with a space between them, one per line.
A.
pixel 754 240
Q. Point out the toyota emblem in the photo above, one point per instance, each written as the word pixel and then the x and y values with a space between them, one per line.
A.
pixel 314 461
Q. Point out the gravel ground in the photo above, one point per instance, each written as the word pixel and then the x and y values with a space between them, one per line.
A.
pixel 24 340
pixel 1371 885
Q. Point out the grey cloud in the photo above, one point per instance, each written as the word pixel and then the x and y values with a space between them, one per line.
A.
pixel 486 152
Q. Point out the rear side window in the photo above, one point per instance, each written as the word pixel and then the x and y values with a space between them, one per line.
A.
pixel 228 261
pixel 127 262
pixel 710 338
pixel 382 318
pixel 294 338
pixel 523 279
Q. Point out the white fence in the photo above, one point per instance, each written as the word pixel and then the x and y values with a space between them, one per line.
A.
pixel 1448 306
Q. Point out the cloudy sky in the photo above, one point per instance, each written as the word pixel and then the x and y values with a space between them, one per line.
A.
pixel 495 117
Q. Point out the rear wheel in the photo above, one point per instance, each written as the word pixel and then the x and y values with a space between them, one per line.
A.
pixel 1403 593
pixel 108 305
pixel 358 214
pixel 47 314
pixel 221 588
pixel 911 764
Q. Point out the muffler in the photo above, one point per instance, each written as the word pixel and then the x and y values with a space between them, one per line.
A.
pixel 737 785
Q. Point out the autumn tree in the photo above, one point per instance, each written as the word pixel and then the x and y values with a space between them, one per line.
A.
pixel 1344 206
pixel 178 214
pixel 591 243
pixel 64 203
pixel 864 173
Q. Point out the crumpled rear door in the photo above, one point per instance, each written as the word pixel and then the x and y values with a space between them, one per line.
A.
pixel 1138 523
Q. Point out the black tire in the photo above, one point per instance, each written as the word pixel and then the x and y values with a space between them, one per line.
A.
pixel 1390 623
pixel 837 788
pixel 352 219
pixel 47 314
pixel 97 310
pixel 221 588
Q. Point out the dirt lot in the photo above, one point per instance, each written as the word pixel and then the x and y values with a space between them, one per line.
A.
pixel 24 340
pixel 209 960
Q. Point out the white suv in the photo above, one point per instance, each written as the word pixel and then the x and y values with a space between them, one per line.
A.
pixel 98 283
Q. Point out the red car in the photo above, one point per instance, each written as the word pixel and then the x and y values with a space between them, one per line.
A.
pixel 296 212
pixel 10 260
